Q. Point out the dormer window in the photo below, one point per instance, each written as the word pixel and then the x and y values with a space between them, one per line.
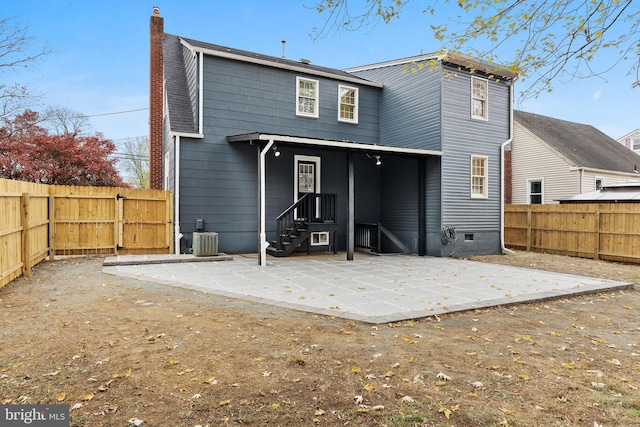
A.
pixel 479 97
pixel 307 97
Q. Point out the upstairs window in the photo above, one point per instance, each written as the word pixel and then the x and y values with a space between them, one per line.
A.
pixel 479 98
pixel 307 97
pixel 599 182
pixel 479 177
pixel 347 104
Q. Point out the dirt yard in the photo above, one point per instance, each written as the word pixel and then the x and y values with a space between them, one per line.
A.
pixel 122 352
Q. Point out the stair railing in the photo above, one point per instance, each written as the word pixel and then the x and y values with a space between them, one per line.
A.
pixel 311 207
pixel 286 220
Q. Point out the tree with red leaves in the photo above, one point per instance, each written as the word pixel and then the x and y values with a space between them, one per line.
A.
pixel 29 153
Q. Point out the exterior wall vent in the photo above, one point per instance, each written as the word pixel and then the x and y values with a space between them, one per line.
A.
pixel 205 244
pixel 305 61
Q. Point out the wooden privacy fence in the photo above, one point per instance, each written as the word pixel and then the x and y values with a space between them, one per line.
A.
pixel 609 231
pixel 38 220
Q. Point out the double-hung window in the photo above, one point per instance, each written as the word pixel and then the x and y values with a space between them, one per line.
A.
pixel 479 177
pixel 479 98
pixel 536 191
pixel 306 97
pixel 347 104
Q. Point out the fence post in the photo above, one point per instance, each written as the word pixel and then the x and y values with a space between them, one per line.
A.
pixel 597 233
pixel 528 228
pixel 52 226
pixel 26 253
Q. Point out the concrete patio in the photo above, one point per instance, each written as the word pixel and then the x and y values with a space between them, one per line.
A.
pixel 372 289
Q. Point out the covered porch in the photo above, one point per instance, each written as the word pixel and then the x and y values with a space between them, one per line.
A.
pixel 340 189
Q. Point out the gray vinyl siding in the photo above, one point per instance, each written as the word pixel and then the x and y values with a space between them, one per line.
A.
pixel 219 180
pixel 464 137
pixel 191 68
pixel 168 146
pixel 410 114
pixel 241 98
pixel 434 205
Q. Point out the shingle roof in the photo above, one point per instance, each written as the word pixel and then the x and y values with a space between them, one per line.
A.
pixel 275 61
pixel 583 145
pixel 178 102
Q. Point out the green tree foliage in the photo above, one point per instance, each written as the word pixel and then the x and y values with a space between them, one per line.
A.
pixel 553 40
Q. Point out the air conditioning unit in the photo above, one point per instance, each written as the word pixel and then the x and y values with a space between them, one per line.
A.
pixel 205 244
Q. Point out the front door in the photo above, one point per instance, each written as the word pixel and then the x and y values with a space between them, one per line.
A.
pixel 307 181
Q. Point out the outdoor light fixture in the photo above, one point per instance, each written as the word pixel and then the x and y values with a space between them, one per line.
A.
pixel 378 162
pixel 275 151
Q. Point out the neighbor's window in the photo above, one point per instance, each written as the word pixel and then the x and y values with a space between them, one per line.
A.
pixel 348 104
pixel 599 182
pixel 535 191
pixel 479 177
pixel 307 97
pixel 479 92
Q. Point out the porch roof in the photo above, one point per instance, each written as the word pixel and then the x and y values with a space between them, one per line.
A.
pixel 348 145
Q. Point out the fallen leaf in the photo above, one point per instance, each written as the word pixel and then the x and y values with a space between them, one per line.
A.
pixel 446 411
pixel 407 399
pixel 87 397
pixel 318 412
pixel 61 396
pixel 410 340
pixel 224 402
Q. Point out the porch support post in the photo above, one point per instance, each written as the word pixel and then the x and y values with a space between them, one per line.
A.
pixel 422 206
pixel 262 234
pixel 351 223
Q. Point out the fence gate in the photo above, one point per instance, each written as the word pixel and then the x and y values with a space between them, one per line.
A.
pixel 111 221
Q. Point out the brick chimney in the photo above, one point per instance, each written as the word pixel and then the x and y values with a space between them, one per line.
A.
pixel 156 30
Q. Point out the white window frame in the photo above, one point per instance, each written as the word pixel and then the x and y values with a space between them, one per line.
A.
pixel 355 104
pixel 529 181
pixel 484 177
pixel 484 100
pixel 316 103
pixel 595 182
pixel 320 238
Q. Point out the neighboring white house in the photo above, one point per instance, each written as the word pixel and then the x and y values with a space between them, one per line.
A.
pixel 631 141
pixel 553 159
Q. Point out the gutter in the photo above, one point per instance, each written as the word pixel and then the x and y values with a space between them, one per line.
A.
pixel 262 242
pixel 504 144
pixel 177 236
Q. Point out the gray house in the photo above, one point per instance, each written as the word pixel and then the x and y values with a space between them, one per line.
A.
pixel 276 155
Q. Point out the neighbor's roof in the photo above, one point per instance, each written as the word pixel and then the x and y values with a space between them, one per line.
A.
pixel 583 145
pixel 626 192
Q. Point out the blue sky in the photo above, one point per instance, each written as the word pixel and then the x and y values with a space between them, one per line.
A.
pixel 99 61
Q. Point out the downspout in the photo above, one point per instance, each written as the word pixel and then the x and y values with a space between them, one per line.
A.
pixel 262 242
pixel 177 236
pixel 502 146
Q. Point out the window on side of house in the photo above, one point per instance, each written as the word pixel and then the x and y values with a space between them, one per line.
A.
pixel 636 143
pixel 535 191
pixel 306 97
pixel 599 182
pixel 347 104
pixel 479 177
pixel 479 98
